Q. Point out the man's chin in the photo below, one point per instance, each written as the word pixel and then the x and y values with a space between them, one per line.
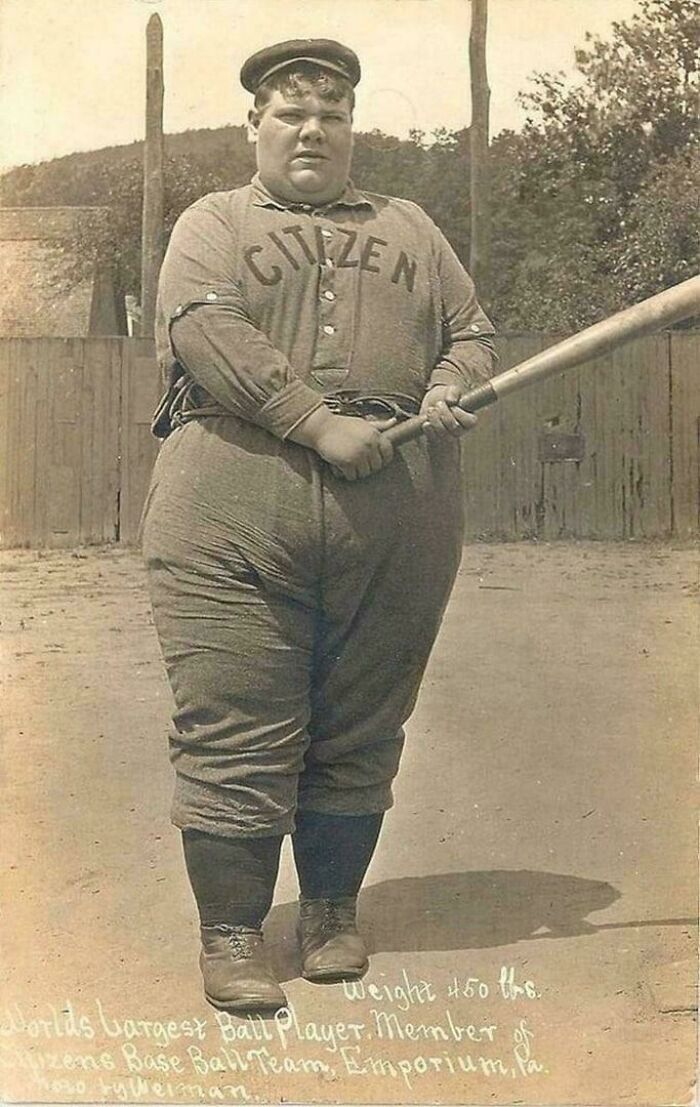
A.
pixel 314 183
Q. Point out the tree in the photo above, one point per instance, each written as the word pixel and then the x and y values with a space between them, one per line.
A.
pixel 572 186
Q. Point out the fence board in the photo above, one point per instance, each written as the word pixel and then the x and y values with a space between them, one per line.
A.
pixel 561 510
pixel 7 466
pixel 24 443
pixel 99 463
pixel 60 455
pixel 685 432
pixel 625 405
pixel 141 385
pixel 499 466
pixel 47 489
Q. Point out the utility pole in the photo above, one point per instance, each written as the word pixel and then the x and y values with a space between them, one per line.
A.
pixel 480 251
pixel 152 218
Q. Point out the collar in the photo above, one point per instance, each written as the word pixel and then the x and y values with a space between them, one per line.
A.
pixel 350 198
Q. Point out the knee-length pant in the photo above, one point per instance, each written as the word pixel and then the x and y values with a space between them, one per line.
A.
pixel 296 612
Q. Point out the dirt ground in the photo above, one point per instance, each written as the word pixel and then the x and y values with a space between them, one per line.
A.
pixel 532 908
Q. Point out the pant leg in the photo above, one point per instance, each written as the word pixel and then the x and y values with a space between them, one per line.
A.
pixel 393 547
pixel 235 617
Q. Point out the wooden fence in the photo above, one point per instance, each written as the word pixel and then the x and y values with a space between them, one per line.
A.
pixel 607 451
pixel 76 450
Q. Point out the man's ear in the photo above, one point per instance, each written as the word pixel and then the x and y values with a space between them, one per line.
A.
pixel 253 125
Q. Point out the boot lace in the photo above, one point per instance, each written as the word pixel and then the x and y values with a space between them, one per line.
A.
pixel 242 941
pixel 336 916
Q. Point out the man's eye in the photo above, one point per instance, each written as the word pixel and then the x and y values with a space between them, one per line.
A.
pixel 289 117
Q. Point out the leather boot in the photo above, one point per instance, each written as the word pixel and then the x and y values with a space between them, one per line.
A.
pixel 236 977
pixel 331 948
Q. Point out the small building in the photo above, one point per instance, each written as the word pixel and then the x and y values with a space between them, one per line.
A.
pixel 47 286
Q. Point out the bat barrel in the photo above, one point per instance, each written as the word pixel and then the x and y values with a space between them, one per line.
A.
pixel 668 307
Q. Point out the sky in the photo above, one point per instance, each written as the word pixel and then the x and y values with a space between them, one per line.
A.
pixel 72 71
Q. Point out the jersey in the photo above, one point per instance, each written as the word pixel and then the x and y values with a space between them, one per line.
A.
pixel 268 306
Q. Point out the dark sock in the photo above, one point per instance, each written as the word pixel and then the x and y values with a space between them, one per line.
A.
pixel 332 852
pixel 233 879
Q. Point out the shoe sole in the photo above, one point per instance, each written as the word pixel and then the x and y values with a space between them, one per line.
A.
pixel 242 1006
pixel 335 976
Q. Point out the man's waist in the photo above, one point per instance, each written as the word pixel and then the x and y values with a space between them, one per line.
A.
pixel 185 400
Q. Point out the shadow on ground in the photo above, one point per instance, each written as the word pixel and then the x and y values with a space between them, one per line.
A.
pixel 445 911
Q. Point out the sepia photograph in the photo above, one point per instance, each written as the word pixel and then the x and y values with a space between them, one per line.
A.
pixel 349 518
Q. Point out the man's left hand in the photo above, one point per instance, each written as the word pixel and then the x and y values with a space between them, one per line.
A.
pixel 443 415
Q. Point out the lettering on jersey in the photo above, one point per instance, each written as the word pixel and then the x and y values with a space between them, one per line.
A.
pixel 407 270
pixel 298 234
pixel 275 273
pixel 369 252
pixel 291 248
pixel 283 249
pixel 344 261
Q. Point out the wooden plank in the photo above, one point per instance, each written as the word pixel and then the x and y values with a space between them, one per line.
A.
pixel 13 535
pixel 514 492
pixel 643 437
pixel 685 432
pixel 6 467
pixel 99 462
pixel 625 417
pixel 561 509
pixel 25 453
pixel 63 360
pixel 500 475
pixel 44 439
pixel 599 407
pixel 6 402
pixel 140 390
pixel 652 407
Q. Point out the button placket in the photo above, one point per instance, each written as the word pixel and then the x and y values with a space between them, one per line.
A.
pixel 334 329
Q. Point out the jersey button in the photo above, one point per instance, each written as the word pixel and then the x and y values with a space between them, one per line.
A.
pixel 326 233
pixel 328 295
pixel 328 329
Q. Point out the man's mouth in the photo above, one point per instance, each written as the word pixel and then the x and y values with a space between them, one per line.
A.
pixel 310 155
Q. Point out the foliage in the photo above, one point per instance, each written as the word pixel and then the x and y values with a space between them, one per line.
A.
pixel 577 190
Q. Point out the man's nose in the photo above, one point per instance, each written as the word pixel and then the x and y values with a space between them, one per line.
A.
pixel 312 128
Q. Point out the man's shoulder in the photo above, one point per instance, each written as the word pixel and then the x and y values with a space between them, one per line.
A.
pixel 222 203
pixel 399 205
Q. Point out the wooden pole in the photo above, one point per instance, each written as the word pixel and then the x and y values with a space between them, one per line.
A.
pixel 152 218
pixel 480 250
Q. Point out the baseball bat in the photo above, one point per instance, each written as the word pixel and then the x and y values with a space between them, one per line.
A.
pixel 679 302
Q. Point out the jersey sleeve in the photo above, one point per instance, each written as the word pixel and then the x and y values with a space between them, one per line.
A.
pixel 467 356
pixel 204 325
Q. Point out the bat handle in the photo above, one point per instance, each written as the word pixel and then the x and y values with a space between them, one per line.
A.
pixel 481 396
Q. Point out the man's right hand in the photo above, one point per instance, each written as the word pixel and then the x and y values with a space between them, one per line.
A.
pixel 353 447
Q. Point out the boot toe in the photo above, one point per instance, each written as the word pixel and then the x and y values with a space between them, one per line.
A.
pixel 341 958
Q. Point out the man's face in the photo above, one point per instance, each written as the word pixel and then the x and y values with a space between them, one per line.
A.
pixel 304 146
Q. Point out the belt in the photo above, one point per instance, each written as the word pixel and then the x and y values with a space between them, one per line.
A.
pixel 185 401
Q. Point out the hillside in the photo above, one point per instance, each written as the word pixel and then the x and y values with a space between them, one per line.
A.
pixel 203 161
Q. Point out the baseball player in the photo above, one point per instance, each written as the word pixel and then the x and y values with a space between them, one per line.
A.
pixel 298 567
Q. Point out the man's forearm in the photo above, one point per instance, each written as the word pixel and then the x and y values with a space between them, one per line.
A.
pixel 240 369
